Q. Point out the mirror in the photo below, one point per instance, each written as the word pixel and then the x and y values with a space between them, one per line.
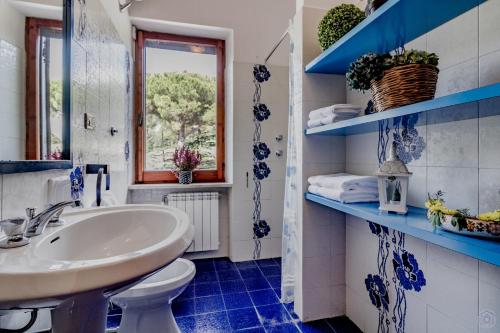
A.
pixel 34 86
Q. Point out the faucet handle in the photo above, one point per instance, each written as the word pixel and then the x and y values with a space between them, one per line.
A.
pixel 30 212
pixel 15 230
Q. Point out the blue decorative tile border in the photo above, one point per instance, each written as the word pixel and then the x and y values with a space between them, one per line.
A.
pixel 406 276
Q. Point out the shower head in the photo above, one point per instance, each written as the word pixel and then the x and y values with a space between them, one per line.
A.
pixel 126 4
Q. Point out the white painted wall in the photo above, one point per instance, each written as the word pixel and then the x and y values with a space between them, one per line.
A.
pixel 257 24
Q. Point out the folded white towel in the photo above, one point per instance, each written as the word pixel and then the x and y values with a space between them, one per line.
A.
pixel 345 109
pixel 343 196
pixel 344 181
pixel 315 122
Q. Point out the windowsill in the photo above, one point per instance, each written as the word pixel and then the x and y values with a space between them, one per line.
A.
pixel 178 186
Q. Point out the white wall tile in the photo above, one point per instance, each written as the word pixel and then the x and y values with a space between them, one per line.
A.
pixel 489 136
pixel 489 27
pixel 459 194
pixel 438 322
pixel 445 292
pixel 447 40
pixel 454 143
pixel 489 189
pixel 489 308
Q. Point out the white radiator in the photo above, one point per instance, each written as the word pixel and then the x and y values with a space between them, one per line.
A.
pixel 203 211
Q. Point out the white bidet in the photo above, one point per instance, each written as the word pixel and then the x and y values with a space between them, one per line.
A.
pixel 147 307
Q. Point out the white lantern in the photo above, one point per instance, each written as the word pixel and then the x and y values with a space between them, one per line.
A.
pixel 393 179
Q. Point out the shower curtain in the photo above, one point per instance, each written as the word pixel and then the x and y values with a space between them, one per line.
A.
pixel 291 202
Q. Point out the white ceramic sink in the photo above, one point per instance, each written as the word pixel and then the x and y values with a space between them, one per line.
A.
pixel 96 249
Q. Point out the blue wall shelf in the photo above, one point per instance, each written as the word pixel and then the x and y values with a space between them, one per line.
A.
pixel 369 123
pixel 391 26
pixel 415 224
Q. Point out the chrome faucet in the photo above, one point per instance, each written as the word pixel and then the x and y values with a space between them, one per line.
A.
pixel 38 222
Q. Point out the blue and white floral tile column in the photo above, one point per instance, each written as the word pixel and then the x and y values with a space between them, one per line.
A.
pixel 261 152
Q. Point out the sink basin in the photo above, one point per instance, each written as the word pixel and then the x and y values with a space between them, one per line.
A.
pixel 98 251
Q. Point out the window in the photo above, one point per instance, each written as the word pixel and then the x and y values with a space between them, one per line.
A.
pixel 179 101
pixel 44 116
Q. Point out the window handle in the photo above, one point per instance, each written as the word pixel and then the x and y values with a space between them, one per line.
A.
pixel 140 121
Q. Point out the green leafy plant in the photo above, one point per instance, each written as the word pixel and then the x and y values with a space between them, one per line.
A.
pixel 414 57
pixel 338 22
pixel 366 68
pixel 372 66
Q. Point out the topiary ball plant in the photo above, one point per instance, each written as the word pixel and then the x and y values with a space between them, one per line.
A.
pixel 337 22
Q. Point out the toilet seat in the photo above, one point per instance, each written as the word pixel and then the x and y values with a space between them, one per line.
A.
pixel 147 305
pixel 179 273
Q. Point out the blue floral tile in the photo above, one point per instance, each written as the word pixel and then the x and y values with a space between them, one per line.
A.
pixel 246 264
pixel 282 328
pixel 264 297
pixel 204 277
pixel 271 270
pixel 237 301
pixel 183 308
pixel 256 284
pixel 212 322
pixel 228 275
pixel 209 304
pixel 274 281
pixel 243 318
pixel 187 293
pixel 206 289
pixel 223 264
pixel 318 326
pixel 251 273
pixel 232 286
pixel 274 314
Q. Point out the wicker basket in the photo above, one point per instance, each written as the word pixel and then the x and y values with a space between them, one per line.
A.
pixel 404 85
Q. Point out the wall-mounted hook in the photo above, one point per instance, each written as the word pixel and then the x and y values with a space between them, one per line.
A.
pixel 113 130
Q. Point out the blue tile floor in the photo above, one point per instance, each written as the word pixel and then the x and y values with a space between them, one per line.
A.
pixel 240 297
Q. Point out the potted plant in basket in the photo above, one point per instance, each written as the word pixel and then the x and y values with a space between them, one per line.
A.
pixel 185 161
pixel 460 220
pixel 395 80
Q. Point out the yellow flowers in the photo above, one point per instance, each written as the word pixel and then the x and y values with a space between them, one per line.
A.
pixel 437 206
pixel 490 216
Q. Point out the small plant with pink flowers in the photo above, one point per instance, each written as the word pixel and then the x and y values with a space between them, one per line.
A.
pixel 185 161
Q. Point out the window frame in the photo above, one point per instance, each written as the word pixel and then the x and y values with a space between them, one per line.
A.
pixel 143 176
pixel 32 98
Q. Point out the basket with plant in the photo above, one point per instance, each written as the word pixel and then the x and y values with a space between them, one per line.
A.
pixel 185 161
pixel 395 80
pixel 460 220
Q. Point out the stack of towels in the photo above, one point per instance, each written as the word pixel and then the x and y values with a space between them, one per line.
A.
pixel 345 187
pixel 331 114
